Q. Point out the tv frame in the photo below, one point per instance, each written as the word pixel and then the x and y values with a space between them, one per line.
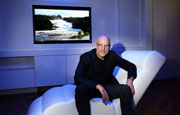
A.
pixel 45 36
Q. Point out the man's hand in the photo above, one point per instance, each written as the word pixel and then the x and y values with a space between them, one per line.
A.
pixel 104 93
pixel 130 84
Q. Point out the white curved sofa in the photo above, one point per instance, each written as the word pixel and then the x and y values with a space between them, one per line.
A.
pixel 61 101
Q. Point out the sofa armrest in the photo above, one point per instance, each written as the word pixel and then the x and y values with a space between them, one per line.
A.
pixel 36 107
pixel 57 96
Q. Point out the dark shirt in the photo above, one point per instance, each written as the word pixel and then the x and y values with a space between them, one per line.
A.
pixel 92 71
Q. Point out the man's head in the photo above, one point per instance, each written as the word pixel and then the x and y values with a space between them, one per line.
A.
pixel 102 46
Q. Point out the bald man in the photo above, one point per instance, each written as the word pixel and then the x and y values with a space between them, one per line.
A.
pixel 94 78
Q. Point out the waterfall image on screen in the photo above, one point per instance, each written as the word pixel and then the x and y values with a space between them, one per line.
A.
pixel 57 24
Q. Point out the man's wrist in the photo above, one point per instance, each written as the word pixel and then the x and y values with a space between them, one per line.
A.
pixel 131 78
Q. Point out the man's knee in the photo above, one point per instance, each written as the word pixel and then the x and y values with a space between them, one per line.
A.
pixel 127 91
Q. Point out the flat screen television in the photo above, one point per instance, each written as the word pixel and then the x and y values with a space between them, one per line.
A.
pixel 61 24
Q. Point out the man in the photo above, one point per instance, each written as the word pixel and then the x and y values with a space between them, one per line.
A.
pixel 94 78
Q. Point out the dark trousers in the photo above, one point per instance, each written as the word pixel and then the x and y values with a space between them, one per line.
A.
pixel 83 95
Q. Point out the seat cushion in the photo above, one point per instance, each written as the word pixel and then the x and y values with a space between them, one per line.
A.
pixel 97 107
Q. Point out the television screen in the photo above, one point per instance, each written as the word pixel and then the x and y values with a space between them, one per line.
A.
pixel 61 24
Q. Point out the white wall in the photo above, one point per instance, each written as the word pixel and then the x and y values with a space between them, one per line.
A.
pixel 130 23
pixel 133 24
pixel 126 22
pixel 119 19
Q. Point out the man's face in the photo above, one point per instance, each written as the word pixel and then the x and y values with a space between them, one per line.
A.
pixel 102 47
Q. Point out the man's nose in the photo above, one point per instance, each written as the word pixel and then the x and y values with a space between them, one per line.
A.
pixel 103 47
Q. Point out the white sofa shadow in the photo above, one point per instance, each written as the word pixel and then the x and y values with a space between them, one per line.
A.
pixel 61 101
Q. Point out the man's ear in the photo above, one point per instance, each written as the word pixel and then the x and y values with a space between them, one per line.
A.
pixel 95 45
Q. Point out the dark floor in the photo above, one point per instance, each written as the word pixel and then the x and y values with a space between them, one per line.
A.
pixel 161 98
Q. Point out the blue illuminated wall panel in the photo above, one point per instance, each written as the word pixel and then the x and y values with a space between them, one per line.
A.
pixel 13 79
pixel 72 62
pixel 50 70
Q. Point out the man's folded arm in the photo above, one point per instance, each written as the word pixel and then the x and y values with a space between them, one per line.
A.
pixel 128 66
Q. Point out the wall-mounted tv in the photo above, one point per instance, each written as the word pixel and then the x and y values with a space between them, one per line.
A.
pixel 61 24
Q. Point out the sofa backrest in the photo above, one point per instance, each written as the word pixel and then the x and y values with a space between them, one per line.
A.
pixel 148 64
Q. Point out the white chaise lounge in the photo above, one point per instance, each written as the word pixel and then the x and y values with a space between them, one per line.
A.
pixel 60 100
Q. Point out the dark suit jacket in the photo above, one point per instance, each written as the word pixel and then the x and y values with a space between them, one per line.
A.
pixel 92 71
